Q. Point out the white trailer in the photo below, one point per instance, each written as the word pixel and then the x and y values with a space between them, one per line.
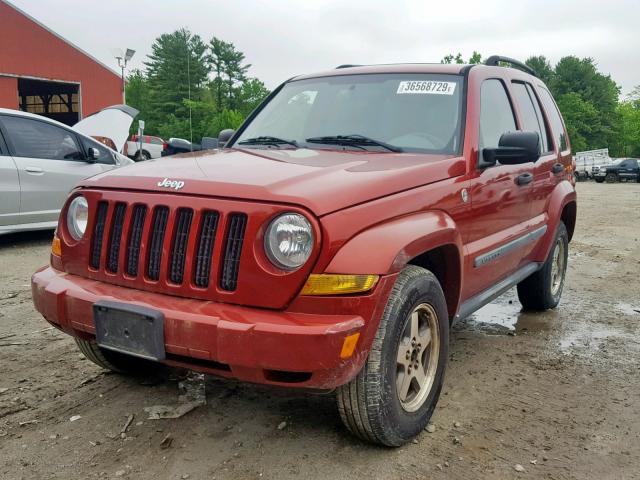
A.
pixel 585 161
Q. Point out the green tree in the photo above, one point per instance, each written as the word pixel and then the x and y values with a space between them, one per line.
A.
pixel 474 59
pixel 229 72
pixel 581 119
pixel 542 67
pixel 176 70
pixel 137 94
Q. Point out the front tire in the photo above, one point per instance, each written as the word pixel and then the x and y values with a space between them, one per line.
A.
pixel 117 362
pixel 599 180
pixel 542 290
pixel 393 397
pixel 611 178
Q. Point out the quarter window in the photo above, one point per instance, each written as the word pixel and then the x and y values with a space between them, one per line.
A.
pixel 557 127
pixel 36 139
pixel 496 114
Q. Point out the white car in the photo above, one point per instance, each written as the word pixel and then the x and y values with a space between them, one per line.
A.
pixel 152 147
pixel 41 160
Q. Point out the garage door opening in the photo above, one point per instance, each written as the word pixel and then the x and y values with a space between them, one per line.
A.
pixel 56 100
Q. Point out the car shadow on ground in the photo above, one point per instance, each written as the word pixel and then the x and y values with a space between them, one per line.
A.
pixel 26 239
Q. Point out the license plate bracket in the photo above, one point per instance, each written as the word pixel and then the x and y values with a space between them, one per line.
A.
pixel 130 329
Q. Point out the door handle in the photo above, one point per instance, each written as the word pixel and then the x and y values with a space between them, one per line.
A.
pixel 524 178
pixel 35 170
pixel 557 168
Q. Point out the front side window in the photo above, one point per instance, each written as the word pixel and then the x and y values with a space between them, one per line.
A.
pixel 105 154
pixel 413 112
pixel 496 114
pixel 36 139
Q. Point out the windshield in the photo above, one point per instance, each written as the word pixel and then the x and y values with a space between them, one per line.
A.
pixel 412 112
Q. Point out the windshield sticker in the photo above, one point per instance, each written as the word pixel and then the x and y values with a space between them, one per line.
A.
pixel 428 87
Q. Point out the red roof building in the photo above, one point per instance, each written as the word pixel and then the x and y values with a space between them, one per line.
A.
pixel 41 72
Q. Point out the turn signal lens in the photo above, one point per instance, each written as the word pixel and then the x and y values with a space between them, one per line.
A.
pixel 56 248
pixel 330 284
pixel 349 345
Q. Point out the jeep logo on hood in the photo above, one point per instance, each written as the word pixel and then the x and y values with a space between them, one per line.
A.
pixel 168 183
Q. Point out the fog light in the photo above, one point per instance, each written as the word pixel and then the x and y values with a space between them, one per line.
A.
pixel 330 284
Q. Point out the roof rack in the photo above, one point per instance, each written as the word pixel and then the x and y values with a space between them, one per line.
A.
pixel 347 66
pixel 496 60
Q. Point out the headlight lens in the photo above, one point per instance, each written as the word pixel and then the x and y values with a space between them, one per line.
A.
pixel 77 217
pixel 289 241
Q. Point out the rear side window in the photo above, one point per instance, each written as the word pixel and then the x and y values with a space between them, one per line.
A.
pixel 557 127
pixel 35 139
pixel 532 119
pixel 496 114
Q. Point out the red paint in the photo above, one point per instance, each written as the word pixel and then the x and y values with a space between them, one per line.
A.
pixel 371 212
pixel 29 50
pixel 8 91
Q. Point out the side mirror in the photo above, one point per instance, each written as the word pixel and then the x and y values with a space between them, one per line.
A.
pixel 209 143
pixel 513 148
pixel 224 136
pixel 93 153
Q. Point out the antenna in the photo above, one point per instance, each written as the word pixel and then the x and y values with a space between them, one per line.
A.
pixel 189 94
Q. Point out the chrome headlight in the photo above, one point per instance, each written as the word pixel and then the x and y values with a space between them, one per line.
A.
pixel 77 217
pixel 289 241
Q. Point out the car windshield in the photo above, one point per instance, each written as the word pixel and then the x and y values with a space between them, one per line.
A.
pixel 381 112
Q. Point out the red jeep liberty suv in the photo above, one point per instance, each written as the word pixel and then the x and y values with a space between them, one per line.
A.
pixel 331 243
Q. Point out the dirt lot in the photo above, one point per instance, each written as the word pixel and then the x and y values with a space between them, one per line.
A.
pixel 557 393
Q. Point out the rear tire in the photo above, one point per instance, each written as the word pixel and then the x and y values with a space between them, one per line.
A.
pixel 394 395
pixel 117 362
pixel 599 180
pixel 543 289
pixel 142 156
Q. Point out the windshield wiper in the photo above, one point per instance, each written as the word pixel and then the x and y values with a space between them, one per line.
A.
pixel 268 140
pixel 355 140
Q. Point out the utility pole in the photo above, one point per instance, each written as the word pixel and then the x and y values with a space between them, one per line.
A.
pixel 123 58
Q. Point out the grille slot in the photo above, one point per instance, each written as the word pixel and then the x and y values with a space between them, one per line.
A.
pixel 233 250
pixel 117 222
pixel 179 249
pixel 204 250
pixel 135 239
pixel 98 231
pixel 159 226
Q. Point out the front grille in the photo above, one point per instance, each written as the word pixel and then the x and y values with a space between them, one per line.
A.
pixel 231 262
pixel 159 227
pixel 98 232
pixel 117 222
pixel 204 250
pixel 135 238
pixel 179 250
pixel 175 246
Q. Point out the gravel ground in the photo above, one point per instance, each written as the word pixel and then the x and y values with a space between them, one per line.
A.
pixel 553 395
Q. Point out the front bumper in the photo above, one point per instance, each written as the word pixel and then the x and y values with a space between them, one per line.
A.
pixel 300 346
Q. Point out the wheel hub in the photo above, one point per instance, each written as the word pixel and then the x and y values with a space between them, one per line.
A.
pixel 417 358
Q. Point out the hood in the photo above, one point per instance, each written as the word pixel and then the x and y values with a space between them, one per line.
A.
pixel 323 181
pixel 112 122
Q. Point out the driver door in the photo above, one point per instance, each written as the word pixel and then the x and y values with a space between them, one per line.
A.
pixel 49 161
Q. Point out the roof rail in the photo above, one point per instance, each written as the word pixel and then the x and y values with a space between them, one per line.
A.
pixel 496 60
pixel 347 66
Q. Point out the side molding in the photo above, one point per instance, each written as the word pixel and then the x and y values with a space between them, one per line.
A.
pixel 386 248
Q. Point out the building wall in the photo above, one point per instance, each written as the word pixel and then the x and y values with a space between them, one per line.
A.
pixel 9 92
pixel 27 49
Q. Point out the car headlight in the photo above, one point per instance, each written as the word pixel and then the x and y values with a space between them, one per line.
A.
pixel 77 217
pixel 288 241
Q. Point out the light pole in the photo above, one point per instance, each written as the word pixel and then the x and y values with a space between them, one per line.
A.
pixel 123 58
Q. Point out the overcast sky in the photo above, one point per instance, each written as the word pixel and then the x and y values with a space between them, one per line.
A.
pixel 283 38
